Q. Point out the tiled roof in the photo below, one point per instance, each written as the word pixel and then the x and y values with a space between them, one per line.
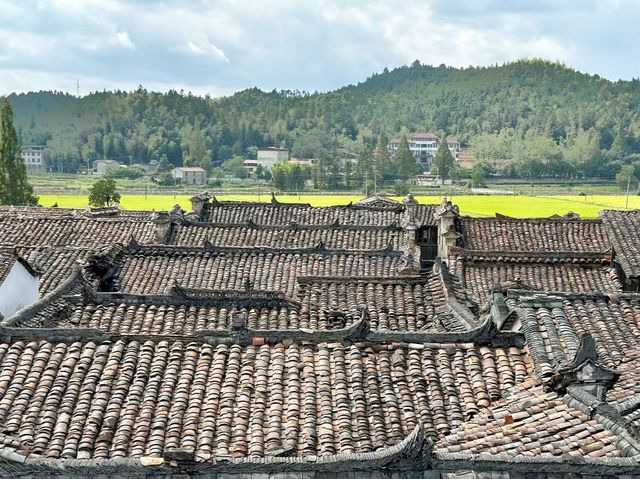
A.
pixel 628 386
pixel 271 338
pixel 341 237
pixel 553 323
pixel 156 269
pixel 625 395
pixel 63 230
pixel 531 422
pixel 56 264
pixel 141 398
pixel 623 228
pixel 284 214
pixel 480 273
pixel 394 308
pixel 394 304
pixel 530 235
pixel 8 258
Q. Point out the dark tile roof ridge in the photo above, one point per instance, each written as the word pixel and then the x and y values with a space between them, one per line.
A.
pixel 608 211
pixel 399 207
pixel 33 269
pixel 80 215
pixel 627 405
pixel 412 451
pixel 215 202
pixel 479 335
pixel 553 464
pixel 540 296
pixel 544 365
pixel 135 248
pixel 530 220
pixel 336 225
pixel 356 331
pixel 461 311
pixel 179 295
pixel 531 256
pixel 404 279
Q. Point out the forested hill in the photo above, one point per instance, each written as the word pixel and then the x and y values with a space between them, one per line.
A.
pixel 572 123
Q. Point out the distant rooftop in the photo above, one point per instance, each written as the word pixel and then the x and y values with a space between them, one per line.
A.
pixel 423 136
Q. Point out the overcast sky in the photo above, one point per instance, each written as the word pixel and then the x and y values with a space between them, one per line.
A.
pixel 221 46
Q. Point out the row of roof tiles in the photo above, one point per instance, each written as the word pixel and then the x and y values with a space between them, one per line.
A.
pixel 130 398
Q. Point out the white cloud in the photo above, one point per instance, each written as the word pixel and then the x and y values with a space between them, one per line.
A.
pixel 94 43
pixel 122 39
pixel 205 49
pixel 225 45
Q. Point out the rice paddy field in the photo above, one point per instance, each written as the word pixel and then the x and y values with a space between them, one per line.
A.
pixel 520 206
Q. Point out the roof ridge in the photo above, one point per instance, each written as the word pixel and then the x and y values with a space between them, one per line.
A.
pixel 531 256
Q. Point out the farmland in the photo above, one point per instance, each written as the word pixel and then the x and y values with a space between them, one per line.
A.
pixel 520 206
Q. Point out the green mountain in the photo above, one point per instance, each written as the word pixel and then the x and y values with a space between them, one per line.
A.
pixel 547 118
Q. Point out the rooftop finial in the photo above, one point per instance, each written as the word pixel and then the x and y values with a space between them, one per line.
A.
pixel 585 373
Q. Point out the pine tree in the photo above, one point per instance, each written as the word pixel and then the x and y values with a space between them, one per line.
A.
pixel 14 186
pixel 198 154
pixel 405 161
pixel 444 160
pixel 381 160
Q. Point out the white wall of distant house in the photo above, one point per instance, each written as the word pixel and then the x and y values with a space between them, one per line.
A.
pixel 18 290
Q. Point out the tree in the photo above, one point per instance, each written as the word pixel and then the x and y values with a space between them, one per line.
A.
pixel 289 176
pixel 131 173
pixel 583 152
pixel 103 193
pixel 400 188
pixel 627 178
pixel 164 165
pixel 365 164
pixel 480 171
pixel 198 154
pixel 280 172
pixel 235 167
pixel 405 161
pixel 14 185
pixel 381 160
pixel 444 160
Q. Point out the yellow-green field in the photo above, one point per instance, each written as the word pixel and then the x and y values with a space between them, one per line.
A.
pixel 517 206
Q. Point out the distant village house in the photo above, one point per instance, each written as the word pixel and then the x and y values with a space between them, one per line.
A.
pixel 267 157
pixel 424 146
pixel 33 157
pixel 190 175
pixel 101 167
pixel 251 166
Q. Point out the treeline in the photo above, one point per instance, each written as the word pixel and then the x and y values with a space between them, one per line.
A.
pixel 540 118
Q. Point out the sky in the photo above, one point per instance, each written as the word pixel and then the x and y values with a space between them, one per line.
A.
pixel 217 47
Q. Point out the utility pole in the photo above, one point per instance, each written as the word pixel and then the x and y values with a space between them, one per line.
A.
pixel 77 88
pixel 626 203
pixel 375 183
pixel 366 184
